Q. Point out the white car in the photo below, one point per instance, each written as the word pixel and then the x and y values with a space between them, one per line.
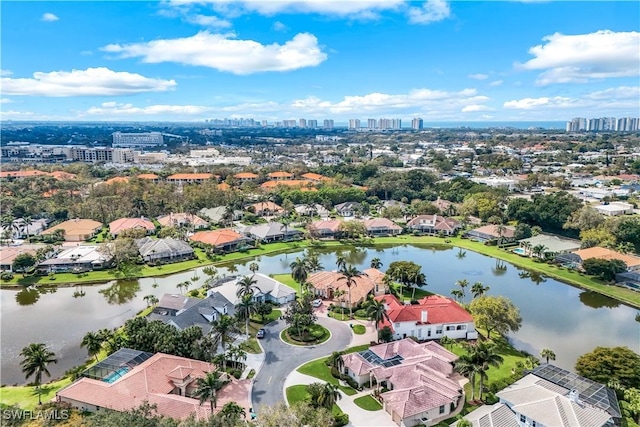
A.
pixel 316 302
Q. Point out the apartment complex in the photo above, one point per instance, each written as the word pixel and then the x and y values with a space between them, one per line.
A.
pixel 137 140
pixel 625 124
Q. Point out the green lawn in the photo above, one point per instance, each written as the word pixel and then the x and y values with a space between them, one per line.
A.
pixel 251 346
pixel 288 280
pixel 318 369
pixel 359 329
pixel 26 398
pixel 316 334
pixel 274 315
pixel 298 393
pixel 368 403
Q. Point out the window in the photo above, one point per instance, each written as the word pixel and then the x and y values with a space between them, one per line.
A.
pixel 451 328
pixel 442 409
pixel 438 331
pixel 429 332
pixel 523 418
pixel 461 327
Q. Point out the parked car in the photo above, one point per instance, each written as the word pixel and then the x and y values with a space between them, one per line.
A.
pixel 261 332
pixel 316 302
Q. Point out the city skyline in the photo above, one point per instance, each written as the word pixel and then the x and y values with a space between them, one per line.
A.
pixel 184 60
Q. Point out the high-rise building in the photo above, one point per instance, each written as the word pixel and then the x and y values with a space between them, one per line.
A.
pixel 328 124
pixel 264 123
pixel 396 124
pixel 312 124
pixel 417 123
pixel 354 124
pixel 302 123
pixel 372 124
pixel 289 123
pixel 384 124
pixel 137 140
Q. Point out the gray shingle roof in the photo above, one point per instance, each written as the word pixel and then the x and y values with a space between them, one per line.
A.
pixel 183 312
pixel 161 248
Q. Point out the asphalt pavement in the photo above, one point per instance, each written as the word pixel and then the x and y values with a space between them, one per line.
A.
pixel 282 358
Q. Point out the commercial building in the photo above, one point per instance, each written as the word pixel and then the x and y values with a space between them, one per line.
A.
pixel 92 155
pixel 137 140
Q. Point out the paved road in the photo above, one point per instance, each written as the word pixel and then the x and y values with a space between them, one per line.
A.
pixel 281 358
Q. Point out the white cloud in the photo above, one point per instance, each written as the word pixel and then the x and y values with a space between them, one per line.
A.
pixel 478 76
pixel 49 17
pixel 474 108
pixel 6 101
pixel 531 103
pixel 114 108
pixel 208 21
pixel 431 11
pixel 621 92
pixel 92 81
pixel 279 26
pixel 583 57
pixel 5 73
pixel 616 98
pixel 496 83
pixel 226 53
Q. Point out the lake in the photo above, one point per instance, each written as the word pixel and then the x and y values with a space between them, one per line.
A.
pixel 555 315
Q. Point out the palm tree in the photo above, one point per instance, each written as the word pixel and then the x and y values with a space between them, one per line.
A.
pixel 539 250
pixel 329 395
pixel 93 342
pixel 467 366
pixel 376 311
pixel 207 388
pixel 247 286
pixel 313 263
pixel 244 309
pixel 254 266
pixel 527 247
pixel 463 284
pixel 232 412
pixel 486 356
pixel 181 286
pixel 341 262
pixel 387 281
pixel 547 354
pixel 418 279
pixel 336 361
pixel 299 270
pixel 26 222
pixel 148 299
pixel 349 275
pixel 478 289
pixel 36 359
pixel 224 327
pixel 500 230
pixel 376 263
pixel 457 294
pixel 463 422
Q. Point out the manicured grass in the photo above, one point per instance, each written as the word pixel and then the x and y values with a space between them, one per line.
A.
pixel 251 374
pixel 25 397
pixel 274 315
pixel 368 403
pixel 251 346
pixel 316 334
pixel 296 393
pixel 359 329
pixel 318 369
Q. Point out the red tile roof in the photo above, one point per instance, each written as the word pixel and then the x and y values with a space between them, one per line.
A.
pixel 148 176
pixel 440 310
pixel 381 223
pixel 151 381
pixel 246 175
pixel 190 176
pixel 323 280
pixel 116 179
pixel 216 237
pixel 328 224
pixel 314 176
pixel 280 174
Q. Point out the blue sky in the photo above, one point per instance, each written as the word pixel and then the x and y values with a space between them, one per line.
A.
pixel 189 60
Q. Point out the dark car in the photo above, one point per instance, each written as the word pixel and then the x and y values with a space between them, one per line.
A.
pixel 261 333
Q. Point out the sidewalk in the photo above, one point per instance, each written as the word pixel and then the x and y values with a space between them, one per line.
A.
pixel 254 361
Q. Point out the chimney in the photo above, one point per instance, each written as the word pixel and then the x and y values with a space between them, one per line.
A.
pixel 423 316
pixel 574 395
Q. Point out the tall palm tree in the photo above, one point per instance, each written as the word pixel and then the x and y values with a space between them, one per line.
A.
pixel 299 270
pixel 244 309
pixel 336 361
pixel 349 275
pixel 148 299
pixel 376 263
pixel 527 247
pixel 418 280
pixel 36 358
pixel 485 356
pixel 329 395
pixel 500 230
pixel 387 281
pixel 478 290
pixel 376 311
pixel 207 388
pixel 547 354
pixel 224 327
pixel 468 367
pixel 539 250
pixel 313 263
pixel 457 294
pixel 93 342
pixel 462 284
pixel 247 286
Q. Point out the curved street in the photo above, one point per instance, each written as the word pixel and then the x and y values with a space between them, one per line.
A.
pixel 281 358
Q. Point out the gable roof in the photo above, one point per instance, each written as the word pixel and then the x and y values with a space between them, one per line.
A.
pixel 183 312
pixel 381 224
pixel 174 219
pixel 190 176
pixel 263 206
pixel 323 280
pixel 314 176
pixel 246 175
pixel 280 174
pixel 327 224
pixel 75 227
pixel 492 230
pixel 608 254
pixel 268 230
pixel 148 176
pixel 497 415
pixel 440 310
pixel 148 246
pixel 119 225
pixel 438 222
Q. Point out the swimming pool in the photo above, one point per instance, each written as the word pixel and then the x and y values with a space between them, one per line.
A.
pixel 520 251
pixel 116 375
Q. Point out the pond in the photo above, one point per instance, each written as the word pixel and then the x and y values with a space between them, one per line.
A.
pixel 555 315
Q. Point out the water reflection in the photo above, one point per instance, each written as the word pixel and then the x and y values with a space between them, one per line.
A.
pixel 121 291
pixel 594 300
pixel 28 296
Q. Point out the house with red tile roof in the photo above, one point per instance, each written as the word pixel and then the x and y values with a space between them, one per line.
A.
pixel 381 227
pixel 224 240
pixel 315 177
pixel 266 209
pixel 21 174
pixel 432 318
pixel 190 178
pixel 422 386
pixel 149 176
pixel 325 228
pixel 167 381
pixel 119 225
pixel 117 180
pixel 326 283
pixel 434 225
pixel 246 176
pixel 76 230
pixel 303 184
pixel 280 176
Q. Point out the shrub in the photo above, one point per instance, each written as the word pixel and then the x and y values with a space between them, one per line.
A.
pixel 341 420
pixel 361 313
pixel 6 276
pixel 335 373
pixel 490 398
pixel 352 383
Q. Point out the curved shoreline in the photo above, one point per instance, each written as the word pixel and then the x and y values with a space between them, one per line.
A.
pixel 622 295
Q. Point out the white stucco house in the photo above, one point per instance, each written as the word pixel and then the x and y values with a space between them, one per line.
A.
pixel 433 318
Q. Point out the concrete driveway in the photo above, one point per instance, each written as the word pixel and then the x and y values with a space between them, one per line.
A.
pixel 281 358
